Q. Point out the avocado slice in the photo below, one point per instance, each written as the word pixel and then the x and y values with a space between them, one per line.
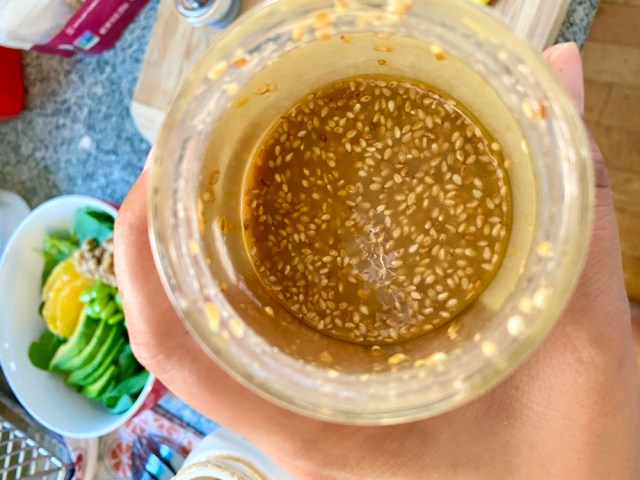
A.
pixel 112 358
pixel 95 389
pixel 113 342
pixel 85 355
pixel 80 338
pixel 108 360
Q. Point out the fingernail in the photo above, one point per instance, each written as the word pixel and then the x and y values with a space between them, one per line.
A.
pixel 559 47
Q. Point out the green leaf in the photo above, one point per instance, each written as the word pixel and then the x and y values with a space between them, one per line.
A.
pixel 127 363
pixel 91 223
pixel 109 401
pixel 57 246
pixel 42 350
pixel 131 385
pixel 118 404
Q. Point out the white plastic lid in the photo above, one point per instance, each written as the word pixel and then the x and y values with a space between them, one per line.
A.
pixel 223 455
pixel 13 210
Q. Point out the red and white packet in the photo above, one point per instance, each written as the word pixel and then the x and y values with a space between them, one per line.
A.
pixel 61 27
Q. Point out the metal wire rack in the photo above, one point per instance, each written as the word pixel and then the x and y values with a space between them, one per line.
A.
pixel 27 450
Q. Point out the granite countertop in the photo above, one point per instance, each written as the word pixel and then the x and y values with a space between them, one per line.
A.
pixel 77 135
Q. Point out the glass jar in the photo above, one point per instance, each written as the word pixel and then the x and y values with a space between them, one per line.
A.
pixel 275 55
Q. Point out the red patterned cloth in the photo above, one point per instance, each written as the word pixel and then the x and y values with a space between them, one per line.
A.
pixel 115 449
pixel 110 459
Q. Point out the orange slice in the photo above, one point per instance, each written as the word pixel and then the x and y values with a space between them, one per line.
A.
pixel 61 294
pixel 63 273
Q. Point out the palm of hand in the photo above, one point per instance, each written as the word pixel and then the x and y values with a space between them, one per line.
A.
pixel 571 411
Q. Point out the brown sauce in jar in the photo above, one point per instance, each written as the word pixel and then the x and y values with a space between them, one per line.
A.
pixel 376 209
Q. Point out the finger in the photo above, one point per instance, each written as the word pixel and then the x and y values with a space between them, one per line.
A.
pixel 159 339
pixel 590 349
pixel 148 311
pixel 149 162
pixel 565 60
pixel 599 299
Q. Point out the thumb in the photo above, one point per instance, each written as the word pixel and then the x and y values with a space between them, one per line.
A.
pixel 600 290
pixel 565 60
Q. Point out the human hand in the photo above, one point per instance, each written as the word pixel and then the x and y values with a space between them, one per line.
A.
pixel 571 411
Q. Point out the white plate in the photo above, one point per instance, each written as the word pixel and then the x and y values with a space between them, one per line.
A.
pixel 44 394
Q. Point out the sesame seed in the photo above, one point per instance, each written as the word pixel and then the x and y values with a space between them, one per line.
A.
pixel 237 327
pixel 383 48
pixel 397 358
pixel 489 349
pixel 544 249
pixel 442 296
pixel 515 325
pixel 213 315
pixel 218 70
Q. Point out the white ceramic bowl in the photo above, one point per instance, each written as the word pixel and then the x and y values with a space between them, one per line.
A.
pixel 44 394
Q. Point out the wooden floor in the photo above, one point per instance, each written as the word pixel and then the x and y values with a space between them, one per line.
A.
pixel 612 110
pixel 612 72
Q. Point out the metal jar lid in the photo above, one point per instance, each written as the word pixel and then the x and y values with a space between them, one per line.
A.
pixel 218 13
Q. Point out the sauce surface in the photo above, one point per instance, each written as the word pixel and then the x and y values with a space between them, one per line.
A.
pixel 376 209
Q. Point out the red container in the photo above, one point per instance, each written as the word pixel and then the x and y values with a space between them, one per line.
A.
pixel 11 83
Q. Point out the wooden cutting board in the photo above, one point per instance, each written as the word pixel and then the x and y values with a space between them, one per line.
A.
pixel 175 46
